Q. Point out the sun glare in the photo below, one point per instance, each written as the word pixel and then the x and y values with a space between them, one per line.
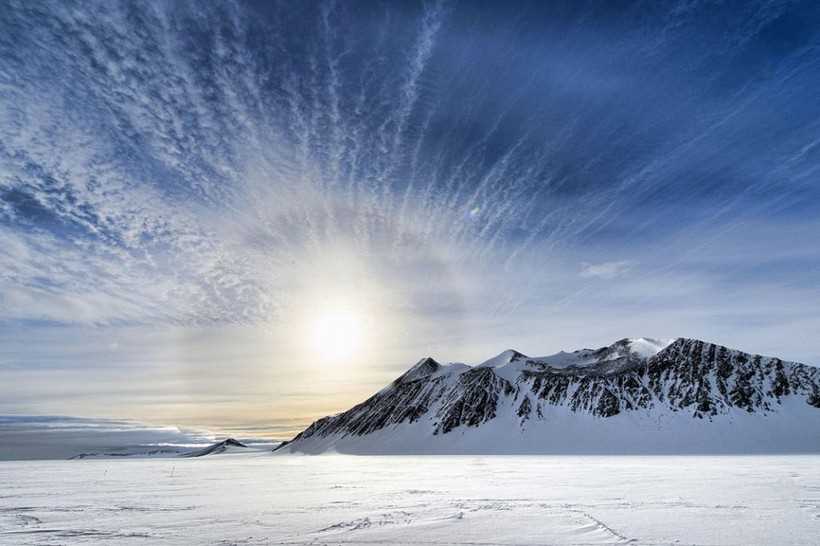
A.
pixel 337 335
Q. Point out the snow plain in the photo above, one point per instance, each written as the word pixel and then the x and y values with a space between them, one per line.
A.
pixel 261 498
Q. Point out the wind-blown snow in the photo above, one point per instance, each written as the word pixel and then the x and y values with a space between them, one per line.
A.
pixel 643 347
pixel 647 347
pixel 261 499
pixel 501 359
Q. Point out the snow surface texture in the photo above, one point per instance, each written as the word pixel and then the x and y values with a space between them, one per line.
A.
pixel 635 396
pixel 261 499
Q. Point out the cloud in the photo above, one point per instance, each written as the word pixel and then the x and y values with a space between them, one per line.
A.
pixel 59 437
pixel 606 270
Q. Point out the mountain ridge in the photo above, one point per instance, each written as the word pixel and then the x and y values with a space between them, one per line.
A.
pixel 623 383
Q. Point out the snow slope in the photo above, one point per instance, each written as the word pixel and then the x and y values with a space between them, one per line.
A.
pixel 634 396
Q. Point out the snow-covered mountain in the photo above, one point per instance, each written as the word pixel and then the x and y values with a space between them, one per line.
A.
pixel 634 396
pixel 229 445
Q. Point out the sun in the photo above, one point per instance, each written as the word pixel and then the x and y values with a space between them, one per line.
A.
pixel 337 335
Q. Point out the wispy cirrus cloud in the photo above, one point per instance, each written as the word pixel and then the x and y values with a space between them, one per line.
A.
pixel 184 158
pixel 185 168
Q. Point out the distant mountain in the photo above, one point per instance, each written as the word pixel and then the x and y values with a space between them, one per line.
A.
pixel 225 446
pixel 135 452
pixel 634 396
pixel 228 445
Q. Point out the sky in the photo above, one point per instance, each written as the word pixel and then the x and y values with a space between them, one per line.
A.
pixel 240 216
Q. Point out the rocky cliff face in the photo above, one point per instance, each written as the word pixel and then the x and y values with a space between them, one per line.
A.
pixel 692 378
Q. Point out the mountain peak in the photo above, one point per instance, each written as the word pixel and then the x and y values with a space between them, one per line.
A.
pixel 423 368
pixel 218 447
pixel 503 358
pixel 427 361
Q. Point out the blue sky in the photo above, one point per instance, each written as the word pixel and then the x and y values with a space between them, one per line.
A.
pixel 185 185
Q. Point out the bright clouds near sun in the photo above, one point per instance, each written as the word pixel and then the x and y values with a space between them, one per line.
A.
pixel 338 333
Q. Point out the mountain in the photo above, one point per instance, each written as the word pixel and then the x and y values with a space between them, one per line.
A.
pixel 228 445
pixel 634 396
pixel 135 452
